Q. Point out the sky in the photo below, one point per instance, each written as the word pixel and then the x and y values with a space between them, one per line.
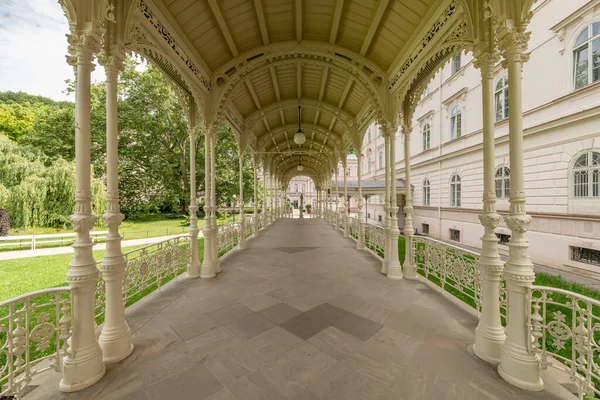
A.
pixel 33 48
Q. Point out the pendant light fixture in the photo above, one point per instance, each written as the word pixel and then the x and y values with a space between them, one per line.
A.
pixel 299 137
pixel 300 167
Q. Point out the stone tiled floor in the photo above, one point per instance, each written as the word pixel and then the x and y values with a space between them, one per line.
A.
pixel 300 314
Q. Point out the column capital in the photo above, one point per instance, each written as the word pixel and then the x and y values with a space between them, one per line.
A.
pixel 485 62
pixel 81 48
pixel 514 46
pixel 113 64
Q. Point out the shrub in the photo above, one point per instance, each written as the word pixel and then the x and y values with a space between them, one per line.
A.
pixel 4 222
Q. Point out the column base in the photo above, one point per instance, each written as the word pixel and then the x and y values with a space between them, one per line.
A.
pixel 207 271
pixel 384 267
pixel 394 271
pixel 242 245
pixel 488 346
pixel 410 272
pixel 117 348
pixel 193 271
pixel 520 369
pixel 82 372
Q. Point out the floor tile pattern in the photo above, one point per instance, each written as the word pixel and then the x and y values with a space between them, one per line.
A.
pixel 315 321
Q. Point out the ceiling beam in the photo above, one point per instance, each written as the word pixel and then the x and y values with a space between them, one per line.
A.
pixel 298 12
pixel 335 25
pixel 275 83
pixel 262 22
pixel 323 83
pixel 223 26
pixel 374 26
pixel 299 80
pixel 253 94
pixel 345 93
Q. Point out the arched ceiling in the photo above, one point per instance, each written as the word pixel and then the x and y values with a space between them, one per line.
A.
pixel 260 59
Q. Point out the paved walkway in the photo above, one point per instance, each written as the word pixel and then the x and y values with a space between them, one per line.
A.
pixel 10 255
pixel 300 314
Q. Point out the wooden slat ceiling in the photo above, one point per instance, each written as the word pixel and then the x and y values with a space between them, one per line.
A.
pixel 223 30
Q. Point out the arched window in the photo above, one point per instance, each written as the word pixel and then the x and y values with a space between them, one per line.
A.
pixel 381 159
pixel 426 137
pixel 586 175
pixel 455 122
pixel 347 171
pixel 502 182
pixel 303 188
pixel 426 193
pixel 501 97
pixel 586 51
pixel 296 187
pixel 455 191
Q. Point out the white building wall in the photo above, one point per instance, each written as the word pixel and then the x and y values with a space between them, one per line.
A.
pixel 559 123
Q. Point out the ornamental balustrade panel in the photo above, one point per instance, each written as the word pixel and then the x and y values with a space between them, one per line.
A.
pixel 248 226
pixel 375 239
pixel 227 238
pixel 148 268
pixel 565 330
pixel 454 269
pixel 353 227
pixel 34 333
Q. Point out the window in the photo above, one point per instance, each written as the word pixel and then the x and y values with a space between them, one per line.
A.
pixel 427 90
pixel 502 182
pixel 426 137
pixel 586 175
pixel 584 255
pixel 456 63
pixel 381 159
pixel 455 235
pixel 369 162
pixel 303 188
pixel 425 229
pixel 455 191
pixel 369 215
pixel 503 238
pixel 586 51
pixel 296 187
pixel 348 172
pixel 379 218
pixel 426 192
pixel 501 97
pixel 455 122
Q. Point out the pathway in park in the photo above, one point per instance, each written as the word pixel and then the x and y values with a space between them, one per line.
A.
pixel 10 255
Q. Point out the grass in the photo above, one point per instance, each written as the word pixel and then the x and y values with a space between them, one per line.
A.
pixel 24 275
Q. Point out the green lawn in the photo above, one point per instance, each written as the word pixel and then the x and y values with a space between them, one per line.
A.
pixel 25 275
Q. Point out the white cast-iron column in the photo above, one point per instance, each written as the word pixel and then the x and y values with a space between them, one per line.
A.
pixel 242 240
pixel 213 195
pixel 270 213
pixel 264 202
pixel 360 244
pixel 337 199
pixel 256 223
pixel 394 267
pixel 386 206
pixel 193 268
pixel 208 269
pixel 489 335
pixel 410 270
pixel 518 365
pixel 115 339
pixel 345 201
pixel 83 364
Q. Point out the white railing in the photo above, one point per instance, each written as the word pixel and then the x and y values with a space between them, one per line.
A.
pixel 227 238
pixel 353 227
pixel 248 226
pixel 565 327
pixel 34 333
pixel 375 239
pixel 452 268
pixel 33 242
pixel 148 268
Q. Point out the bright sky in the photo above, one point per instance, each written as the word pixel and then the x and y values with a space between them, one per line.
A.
pixel 33 48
